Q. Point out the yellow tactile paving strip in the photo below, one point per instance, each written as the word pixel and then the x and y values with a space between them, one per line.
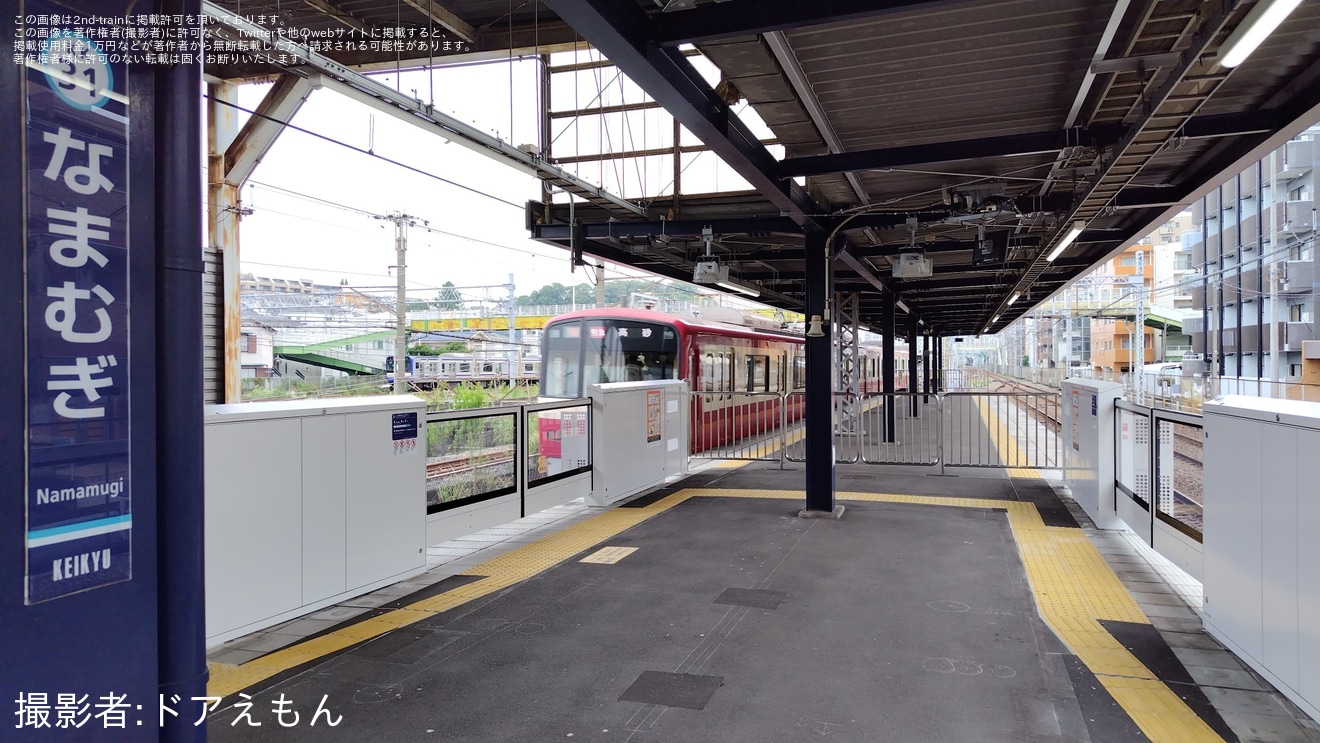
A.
pixel 499 573
pixel 1075 589
pixel 1073 586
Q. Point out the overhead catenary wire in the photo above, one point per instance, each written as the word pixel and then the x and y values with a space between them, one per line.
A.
pixel 368 153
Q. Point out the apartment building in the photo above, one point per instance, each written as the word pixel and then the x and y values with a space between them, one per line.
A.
pixel 1253 241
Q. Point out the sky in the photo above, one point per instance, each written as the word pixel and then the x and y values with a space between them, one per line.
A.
pixel 312 200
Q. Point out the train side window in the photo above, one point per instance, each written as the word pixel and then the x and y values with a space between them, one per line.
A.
pixel 757 369
pixel 708 373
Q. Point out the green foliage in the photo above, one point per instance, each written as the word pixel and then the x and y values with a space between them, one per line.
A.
pixel 469 396
pixel 615 293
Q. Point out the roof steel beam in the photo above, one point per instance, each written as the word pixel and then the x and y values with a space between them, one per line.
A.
pixel 622 32
pixel 749 17
pixel 445 18
pixel 797 77
pixel 1034 143
pixel 320 69
pixel 259 133
pixel 675 229
pixel 969 149
pixel 1200 42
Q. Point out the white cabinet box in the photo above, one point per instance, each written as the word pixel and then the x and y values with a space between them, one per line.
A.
pixel 1262 560
pixel 309 502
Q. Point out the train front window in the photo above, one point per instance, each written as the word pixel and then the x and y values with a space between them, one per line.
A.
pixel 599 351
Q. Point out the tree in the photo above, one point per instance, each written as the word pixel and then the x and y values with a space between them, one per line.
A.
pixel 550 294
pixel 448 297
pixel 616 292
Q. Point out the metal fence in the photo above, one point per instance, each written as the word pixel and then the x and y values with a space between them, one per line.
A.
pixel 1002 429
pixel 901 428
pixel 1161 387
pixel 483 453
pixel 954 429
pixel 742 425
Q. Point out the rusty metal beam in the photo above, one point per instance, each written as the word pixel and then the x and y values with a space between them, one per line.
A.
pixel 232 155
pixel 258 135
pixel 222 239
pixel 339 14
pixel 445 17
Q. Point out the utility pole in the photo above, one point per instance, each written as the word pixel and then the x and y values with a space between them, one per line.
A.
pixel 1139 326
pixel 513 347
pixel 600 285
pixel 401 223
pixel 1275 341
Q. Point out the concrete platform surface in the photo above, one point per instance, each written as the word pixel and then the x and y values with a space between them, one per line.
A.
pixel 971 608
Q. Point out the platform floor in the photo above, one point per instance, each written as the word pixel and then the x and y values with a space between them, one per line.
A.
pixel 977 607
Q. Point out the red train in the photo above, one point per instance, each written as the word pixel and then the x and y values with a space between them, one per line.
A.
pixel 740 364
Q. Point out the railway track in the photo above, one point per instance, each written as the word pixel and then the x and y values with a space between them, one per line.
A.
pixel 459 465
pixel 1041 402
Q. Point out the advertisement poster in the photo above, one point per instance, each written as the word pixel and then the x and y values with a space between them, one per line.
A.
pixel 654 426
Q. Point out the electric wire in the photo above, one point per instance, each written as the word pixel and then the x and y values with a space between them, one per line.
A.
pixel 369 153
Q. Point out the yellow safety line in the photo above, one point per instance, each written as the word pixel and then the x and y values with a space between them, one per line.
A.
pixel 1074 589
pixel 1073 586
pixel 498 573
pixel 1005 443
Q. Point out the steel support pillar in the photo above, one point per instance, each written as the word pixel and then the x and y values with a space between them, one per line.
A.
pixel 887 361
pixel 937 366
pixel 180 596
pixel 232 155
pixel 819 443
pixel 912 365
pixel 927 357
pixel 222 230
pixel 847 364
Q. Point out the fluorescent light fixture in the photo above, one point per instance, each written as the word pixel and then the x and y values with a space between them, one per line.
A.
pixel 994 319
pixel 1067 240
pixel 740 287
pixel 1259 24
pixel 1014 298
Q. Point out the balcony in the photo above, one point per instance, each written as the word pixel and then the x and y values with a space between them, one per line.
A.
pixel 1297 333
pixel 1298 158
pixel 1292 216
pixel 1300 216
pixel 1299 277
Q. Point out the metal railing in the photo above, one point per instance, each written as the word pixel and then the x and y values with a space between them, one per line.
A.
pixel 742 425
pixel 1167 388
pixel 955 429
pixel 902 428
pixel 483 453
pixel 1002 429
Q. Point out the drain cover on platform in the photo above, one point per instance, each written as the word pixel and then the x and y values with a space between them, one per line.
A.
pixel 754 598
pixel 684 690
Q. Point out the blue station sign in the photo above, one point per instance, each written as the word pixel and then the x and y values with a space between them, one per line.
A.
pixel 78 490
